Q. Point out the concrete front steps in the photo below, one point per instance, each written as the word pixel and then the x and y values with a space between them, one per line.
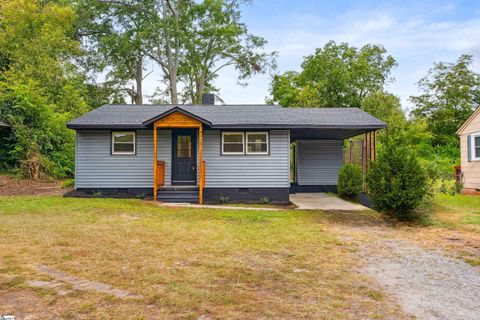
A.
pixel 178 194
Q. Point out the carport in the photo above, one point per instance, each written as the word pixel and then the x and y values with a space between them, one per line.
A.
pixel 319 153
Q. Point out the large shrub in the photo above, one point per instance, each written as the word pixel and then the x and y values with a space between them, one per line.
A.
pixel 41 88
pixel 350 181
pixel 397 183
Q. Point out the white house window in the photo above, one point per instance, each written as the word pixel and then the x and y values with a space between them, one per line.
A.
pixel 476 146
pixel 232 143
pixel 123 142
pixel 257 142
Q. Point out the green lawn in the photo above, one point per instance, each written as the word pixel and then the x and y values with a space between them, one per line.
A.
pixel 185 263
pixel 459 211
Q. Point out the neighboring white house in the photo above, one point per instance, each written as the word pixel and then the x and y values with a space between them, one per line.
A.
pixel 469 134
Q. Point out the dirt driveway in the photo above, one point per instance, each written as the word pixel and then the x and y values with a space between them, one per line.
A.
pixel 420 271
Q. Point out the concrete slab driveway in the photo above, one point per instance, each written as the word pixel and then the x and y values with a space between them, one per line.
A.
pixel 323 201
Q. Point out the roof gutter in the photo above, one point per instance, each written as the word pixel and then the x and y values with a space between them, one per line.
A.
pixel 279 126
pixel 104 126
pixel 228 126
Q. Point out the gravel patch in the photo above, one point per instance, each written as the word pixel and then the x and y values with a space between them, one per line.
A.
pixel 79 283
pixel 427 284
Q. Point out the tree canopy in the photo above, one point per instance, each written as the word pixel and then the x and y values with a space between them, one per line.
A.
pixel 337 75
pixel 190 42
pixel 449 94
pixel 40 88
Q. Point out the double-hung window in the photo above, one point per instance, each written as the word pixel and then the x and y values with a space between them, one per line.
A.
pixel 257 142
pixel 123 142
pixel 475 152
pixel 241 143
pixel 232 143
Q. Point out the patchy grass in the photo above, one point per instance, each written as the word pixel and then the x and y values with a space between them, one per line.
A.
pixel 185 263
pixel 289 206
pixel 458 212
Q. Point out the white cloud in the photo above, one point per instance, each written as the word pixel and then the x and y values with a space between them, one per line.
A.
pixel 414 38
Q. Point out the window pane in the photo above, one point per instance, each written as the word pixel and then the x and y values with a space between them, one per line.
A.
pixel 236 137
pixel 477 141
pixel 184 147
pixel 257 147
pixel 477 152
pixel 234 147
pixel 123 137
pixel 257 137
pixel 123 147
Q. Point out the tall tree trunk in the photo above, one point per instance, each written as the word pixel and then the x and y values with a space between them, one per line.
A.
pixel 199 89
pixel 167 54
pixel 173 88
pixel 138 98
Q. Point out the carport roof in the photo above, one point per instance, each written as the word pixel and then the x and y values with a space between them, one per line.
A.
pixel 230 117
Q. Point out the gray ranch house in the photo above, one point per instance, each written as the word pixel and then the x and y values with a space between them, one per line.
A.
pixel 206 153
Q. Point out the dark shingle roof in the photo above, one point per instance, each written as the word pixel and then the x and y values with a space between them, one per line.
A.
pixel 229 116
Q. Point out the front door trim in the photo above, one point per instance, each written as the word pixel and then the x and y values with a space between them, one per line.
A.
pixel 175 134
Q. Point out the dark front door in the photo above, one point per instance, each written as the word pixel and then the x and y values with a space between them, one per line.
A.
pixel 184 157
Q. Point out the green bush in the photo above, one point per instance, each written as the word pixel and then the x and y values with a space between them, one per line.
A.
pixel 350 181
pixel 68 183
pixel 264 200
pixel 397 183
pixel 223 199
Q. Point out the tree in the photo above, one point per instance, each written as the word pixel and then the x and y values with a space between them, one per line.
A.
pixel 397 183
pixel 196 40
pixel 40 87
pixel 216 40
pixel 166 43
pixel 337 75
pixel 386 107
pixel 450 93
pixel 116 35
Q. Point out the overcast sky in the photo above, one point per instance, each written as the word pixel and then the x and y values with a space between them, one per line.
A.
pixel 415 33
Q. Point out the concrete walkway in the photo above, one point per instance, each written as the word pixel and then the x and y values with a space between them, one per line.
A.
pixel 303 201
pixel 206 206
pixel 323 201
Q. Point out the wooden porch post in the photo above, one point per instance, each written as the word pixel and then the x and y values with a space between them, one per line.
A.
pixel 366 152
pixel 154 162
pixel 371 145
pixel 202 167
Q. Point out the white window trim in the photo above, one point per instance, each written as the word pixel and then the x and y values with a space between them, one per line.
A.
pixel 232 133
pixel 257 132
pixel 134 143
pixel 472 146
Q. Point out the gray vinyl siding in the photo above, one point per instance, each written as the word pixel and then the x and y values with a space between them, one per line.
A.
pixel 97 168
pixel 76 156
pixel 319 161
pixel 164 152
pixel 234 171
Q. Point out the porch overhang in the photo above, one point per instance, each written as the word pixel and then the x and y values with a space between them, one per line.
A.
pixel 176 118
pixel 330 133
pixel 177 110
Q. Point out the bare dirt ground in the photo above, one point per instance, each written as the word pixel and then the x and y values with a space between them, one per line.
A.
pixel 424 271
pixel 10 186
